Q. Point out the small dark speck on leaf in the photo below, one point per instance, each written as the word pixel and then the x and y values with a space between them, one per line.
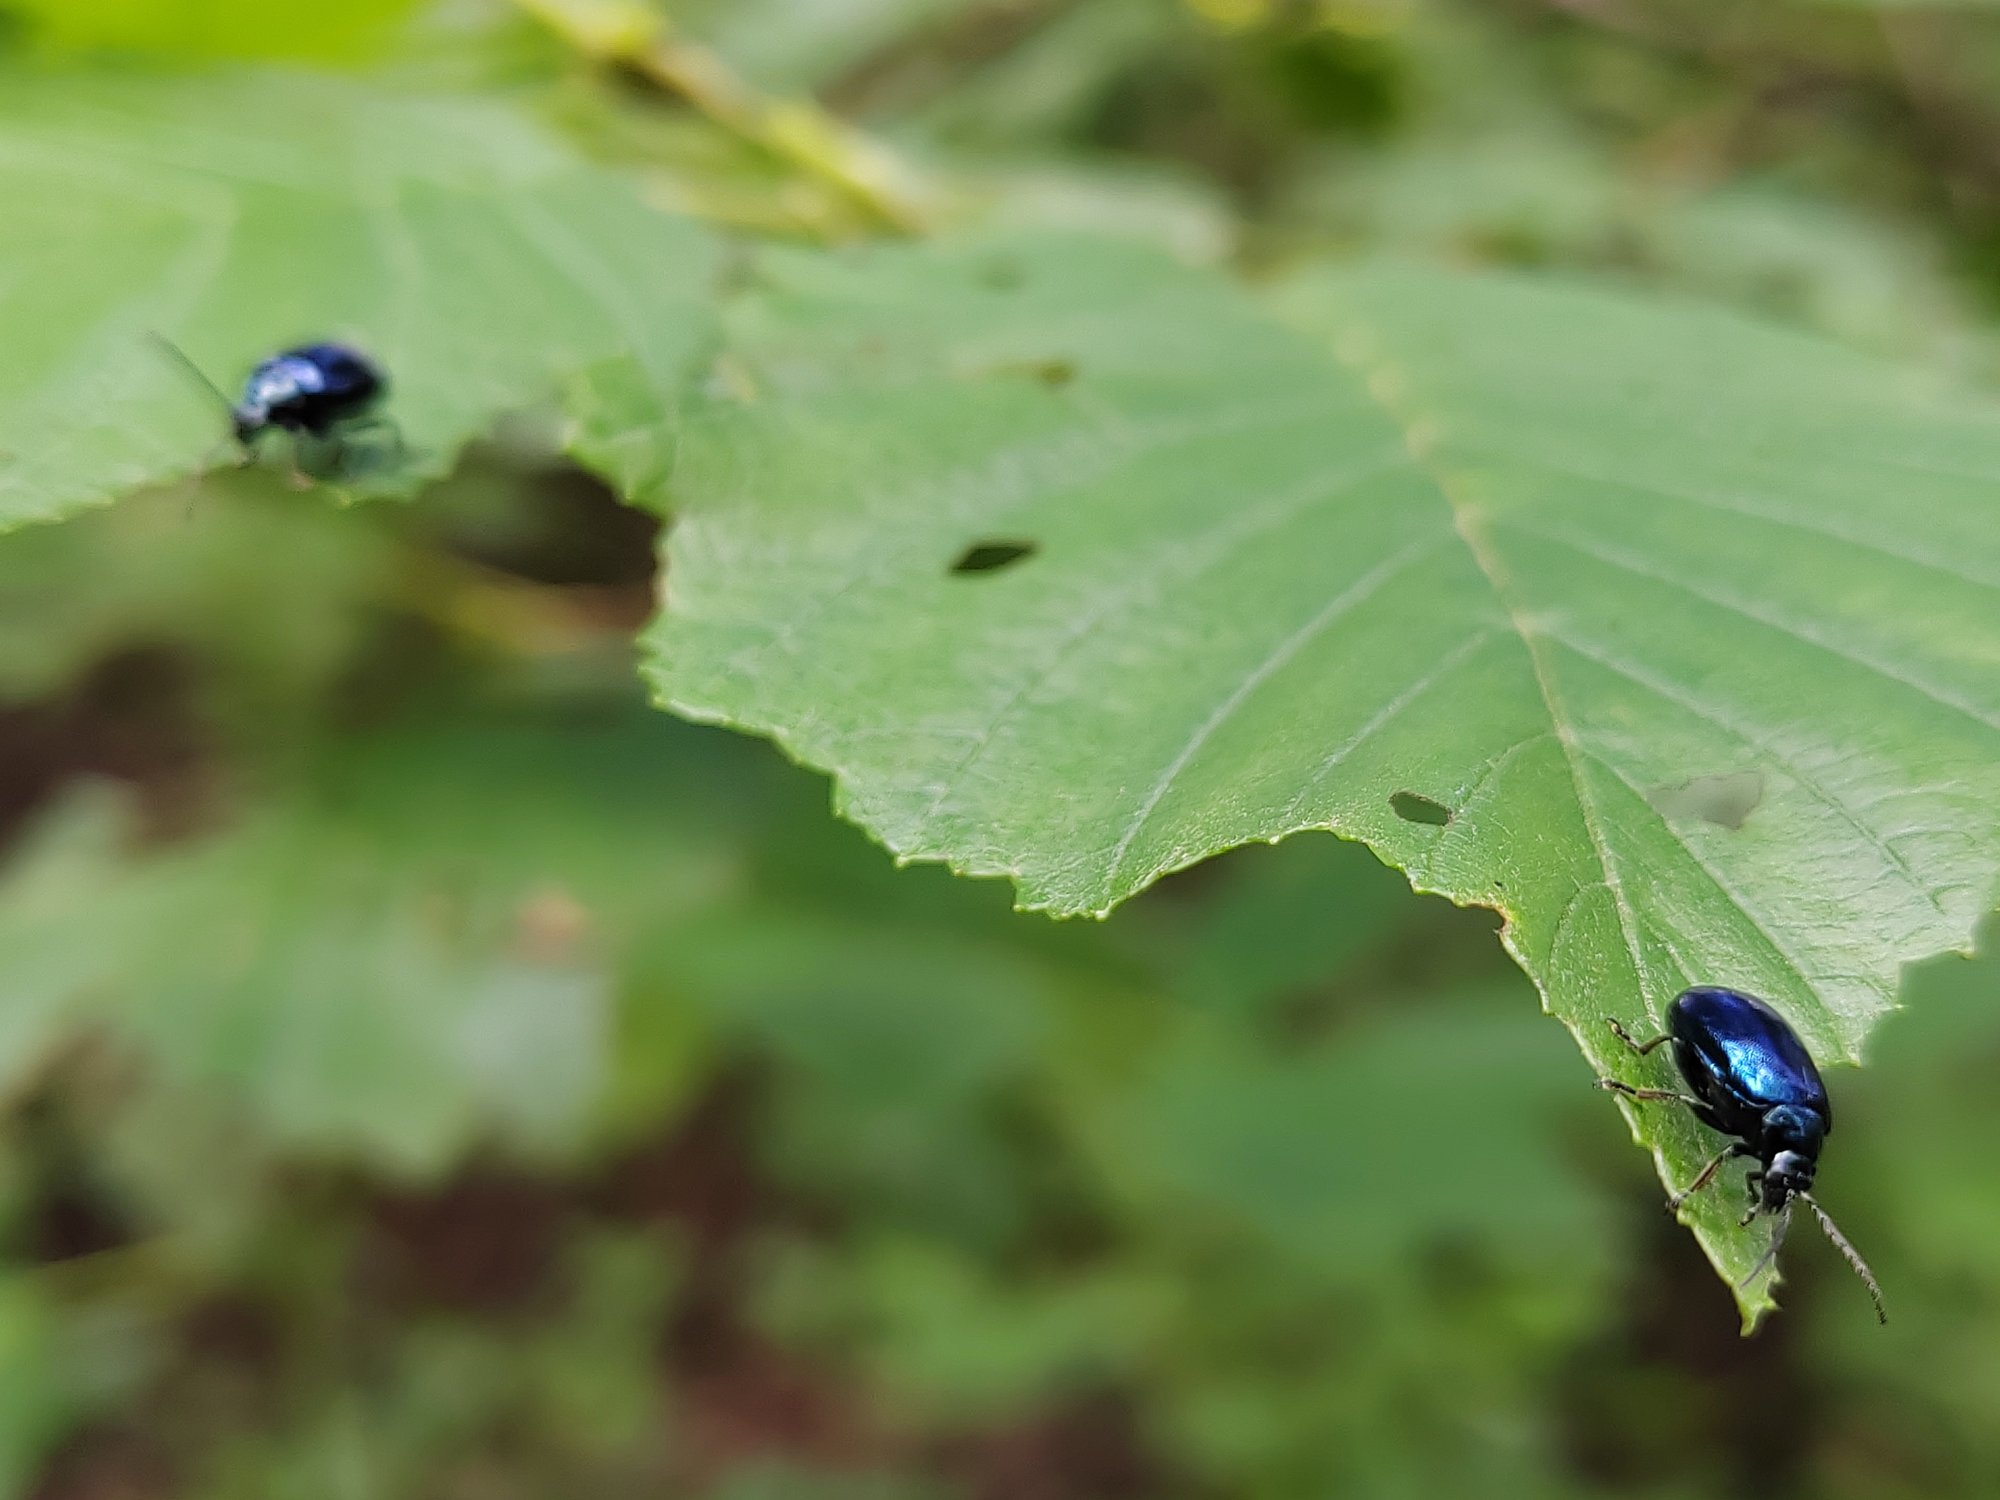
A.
pixel 991 556
pixel 1004 274
pixel 1726 801
pixel 1053 373
pixel 1415 807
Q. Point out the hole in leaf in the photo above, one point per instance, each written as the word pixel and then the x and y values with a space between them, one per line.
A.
pixel 1415 807
pixel 1726 801
pixel 990 557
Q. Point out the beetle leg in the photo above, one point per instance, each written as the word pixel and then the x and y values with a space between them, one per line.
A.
pixel 1755 1181
pixel 1642 1048
pixel 379 423
pixel 1707 1176
pixel 1632 1092
pixel 355 456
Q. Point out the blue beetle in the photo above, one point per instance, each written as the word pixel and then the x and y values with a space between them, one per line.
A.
pixel 1753 1079
pixel 312 390
pixel 320 393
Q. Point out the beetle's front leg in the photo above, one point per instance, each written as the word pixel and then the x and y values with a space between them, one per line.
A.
pixel 1707 1176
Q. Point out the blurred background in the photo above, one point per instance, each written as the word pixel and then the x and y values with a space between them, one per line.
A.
pixel 425 1071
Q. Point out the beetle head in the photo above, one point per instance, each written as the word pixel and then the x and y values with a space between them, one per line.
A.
pixel 1789 1172
pixel 1791 1144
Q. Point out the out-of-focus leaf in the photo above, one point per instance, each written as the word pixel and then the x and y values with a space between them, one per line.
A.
pixel 41 1387
pixel 1665 633
pixel 1415 1136
pixel 479 262
pixel 1545 198
pixel 1310 1257
pixel 264 589
pixel 1908 1177
pixel 895 1036
pixel 776 1479
pixel 793 46
pixel 1286 919
pixel 950 1342
pixel 199 29
pixel 1868 280
pixel 412 952
pixel 1176 214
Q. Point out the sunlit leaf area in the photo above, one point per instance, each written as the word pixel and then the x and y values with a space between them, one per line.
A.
pixel 923 749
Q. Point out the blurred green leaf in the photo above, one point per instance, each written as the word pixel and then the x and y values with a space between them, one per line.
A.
pixel 1540 198
pixel 1287 920
pixel 1909 1179
pixel 777 1479
pixel 270 593
pixel 201 29
pixel 1493 575
pixel 41 1386
pixel 476 259
pixel 793 46
pixel 952 1343
pixel 413 952
pixel 1359 1155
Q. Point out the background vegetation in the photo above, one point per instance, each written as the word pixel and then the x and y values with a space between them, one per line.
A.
pixel 431 1072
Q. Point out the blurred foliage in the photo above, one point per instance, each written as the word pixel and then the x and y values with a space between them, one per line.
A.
pixel 201 30
pixel 234 217
pixel 429 1073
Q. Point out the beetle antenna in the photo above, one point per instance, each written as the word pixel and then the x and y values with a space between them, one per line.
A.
pixel 1853 1256
pixel 180 357
pixel 1784 1222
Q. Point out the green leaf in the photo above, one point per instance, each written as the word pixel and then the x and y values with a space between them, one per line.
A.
pixel 217 28
pixel 42 1386
pixel 414 951
pixel 1250 1137
pixel 796 45
pixel 478 261
pixel 1668 635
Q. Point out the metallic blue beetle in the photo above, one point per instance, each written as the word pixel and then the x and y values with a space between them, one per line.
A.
pixel 312 390
pixel 1753 1079
pixel 321 394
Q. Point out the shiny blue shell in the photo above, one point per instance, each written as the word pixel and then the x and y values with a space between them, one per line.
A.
pixel 1735 1050
pixel 310 389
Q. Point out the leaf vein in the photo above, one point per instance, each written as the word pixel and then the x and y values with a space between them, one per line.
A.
pixel 1714 718
pixel 1340 605
pixel 1804 634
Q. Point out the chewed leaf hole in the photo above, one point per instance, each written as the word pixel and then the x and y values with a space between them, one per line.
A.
pixel 1726 801
pixel 1415 807
pixel 990 557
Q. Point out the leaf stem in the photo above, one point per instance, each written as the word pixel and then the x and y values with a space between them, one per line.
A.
pixel 628 35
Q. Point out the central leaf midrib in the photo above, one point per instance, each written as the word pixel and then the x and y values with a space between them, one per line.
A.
pixel 1377 377
pixel 1384 383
